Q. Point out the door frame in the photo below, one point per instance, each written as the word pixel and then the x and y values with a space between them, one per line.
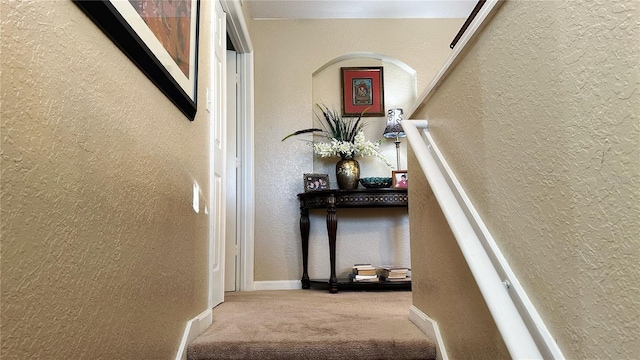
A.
pixel 239 34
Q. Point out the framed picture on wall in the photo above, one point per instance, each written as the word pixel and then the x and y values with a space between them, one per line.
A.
pixel 315 182
pixel 399 179
pixel 362 91
pixel 160 37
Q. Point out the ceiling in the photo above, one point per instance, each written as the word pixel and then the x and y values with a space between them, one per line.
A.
pixel 358 9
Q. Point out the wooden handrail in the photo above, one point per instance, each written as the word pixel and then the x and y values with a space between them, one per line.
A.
pixel 466 24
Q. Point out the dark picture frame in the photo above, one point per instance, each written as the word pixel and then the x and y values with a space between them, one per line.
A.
pixel 316 182
pixel 397 180
pixel 164 47
pixel 362 91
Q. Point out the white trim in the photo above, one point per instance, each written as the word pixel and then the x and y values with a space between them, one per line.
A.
pixel 518 321
pixel 371 55
pixel 246 200
pixel 277 285
pixel 236 26
pixel 192 330
pixel 239 33
pixel 481 19
pixel 430 328
pixel 358 55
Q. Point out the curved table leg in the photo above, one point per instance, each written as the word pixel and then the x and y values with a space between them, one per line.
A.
pixel 332 227
pixel 304 231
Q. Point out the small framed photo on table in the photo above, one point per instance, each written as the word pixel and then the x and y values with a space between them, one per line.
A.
pixel 315 182
pixel 399 179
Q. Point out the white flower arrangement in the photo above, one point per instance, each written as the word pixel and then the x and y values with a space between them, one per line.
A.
pixel 346 149
pixel 345 135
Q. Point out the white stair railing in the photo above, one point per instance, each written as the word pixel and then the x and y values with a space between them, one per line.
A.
pixel 520 325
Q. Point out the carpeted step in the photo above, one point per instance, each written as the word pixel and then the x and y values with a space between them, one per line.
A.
pixel 311 324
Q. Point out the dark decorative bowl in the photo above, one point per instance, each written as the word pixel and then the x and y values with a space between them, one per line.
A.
pixel 376 182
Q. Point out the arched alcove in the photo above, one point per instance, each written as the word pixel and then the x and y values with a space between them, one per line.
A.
pixel 400 90
pixel 378 236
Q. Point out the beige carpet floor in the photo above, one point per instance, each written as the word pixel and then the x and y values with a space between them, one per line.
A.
pixel 312 324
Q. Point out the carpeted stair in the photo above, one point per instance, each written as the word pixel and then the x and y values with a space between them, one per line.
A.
pixel 312 324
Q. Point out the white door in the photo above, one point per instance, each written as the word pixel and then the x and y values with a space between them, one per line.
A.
pixel 218 155
pixel 231 247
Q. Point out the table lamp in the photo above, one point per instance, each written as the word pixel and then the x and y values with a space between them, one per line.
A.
pixel 394 130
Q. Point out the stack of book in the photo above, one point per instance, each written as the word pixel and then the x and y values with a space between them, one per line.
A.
pixel 394 273
pixel 364 273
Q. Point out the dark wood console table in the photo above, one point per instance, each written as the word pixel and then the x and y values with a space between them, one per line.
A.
pixel 332 200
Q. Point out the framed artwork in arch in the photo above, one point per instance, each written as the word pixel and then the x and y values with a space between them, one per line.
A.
pixel 362 91
pixel 160 37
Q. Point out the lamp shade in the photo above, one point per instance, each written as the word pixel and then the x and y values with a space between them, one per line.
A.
pixel 394 130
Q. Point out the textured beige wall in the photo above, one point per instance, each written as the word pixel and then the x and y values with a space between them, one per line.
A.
pixel 540 124
pixel 443 287
pixel 287 52
pixel 103 256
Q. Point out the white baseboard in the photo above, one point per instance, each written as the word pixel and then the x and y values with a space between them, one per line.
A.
pixel 430 328
pixel 277 285
pixel 194 328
